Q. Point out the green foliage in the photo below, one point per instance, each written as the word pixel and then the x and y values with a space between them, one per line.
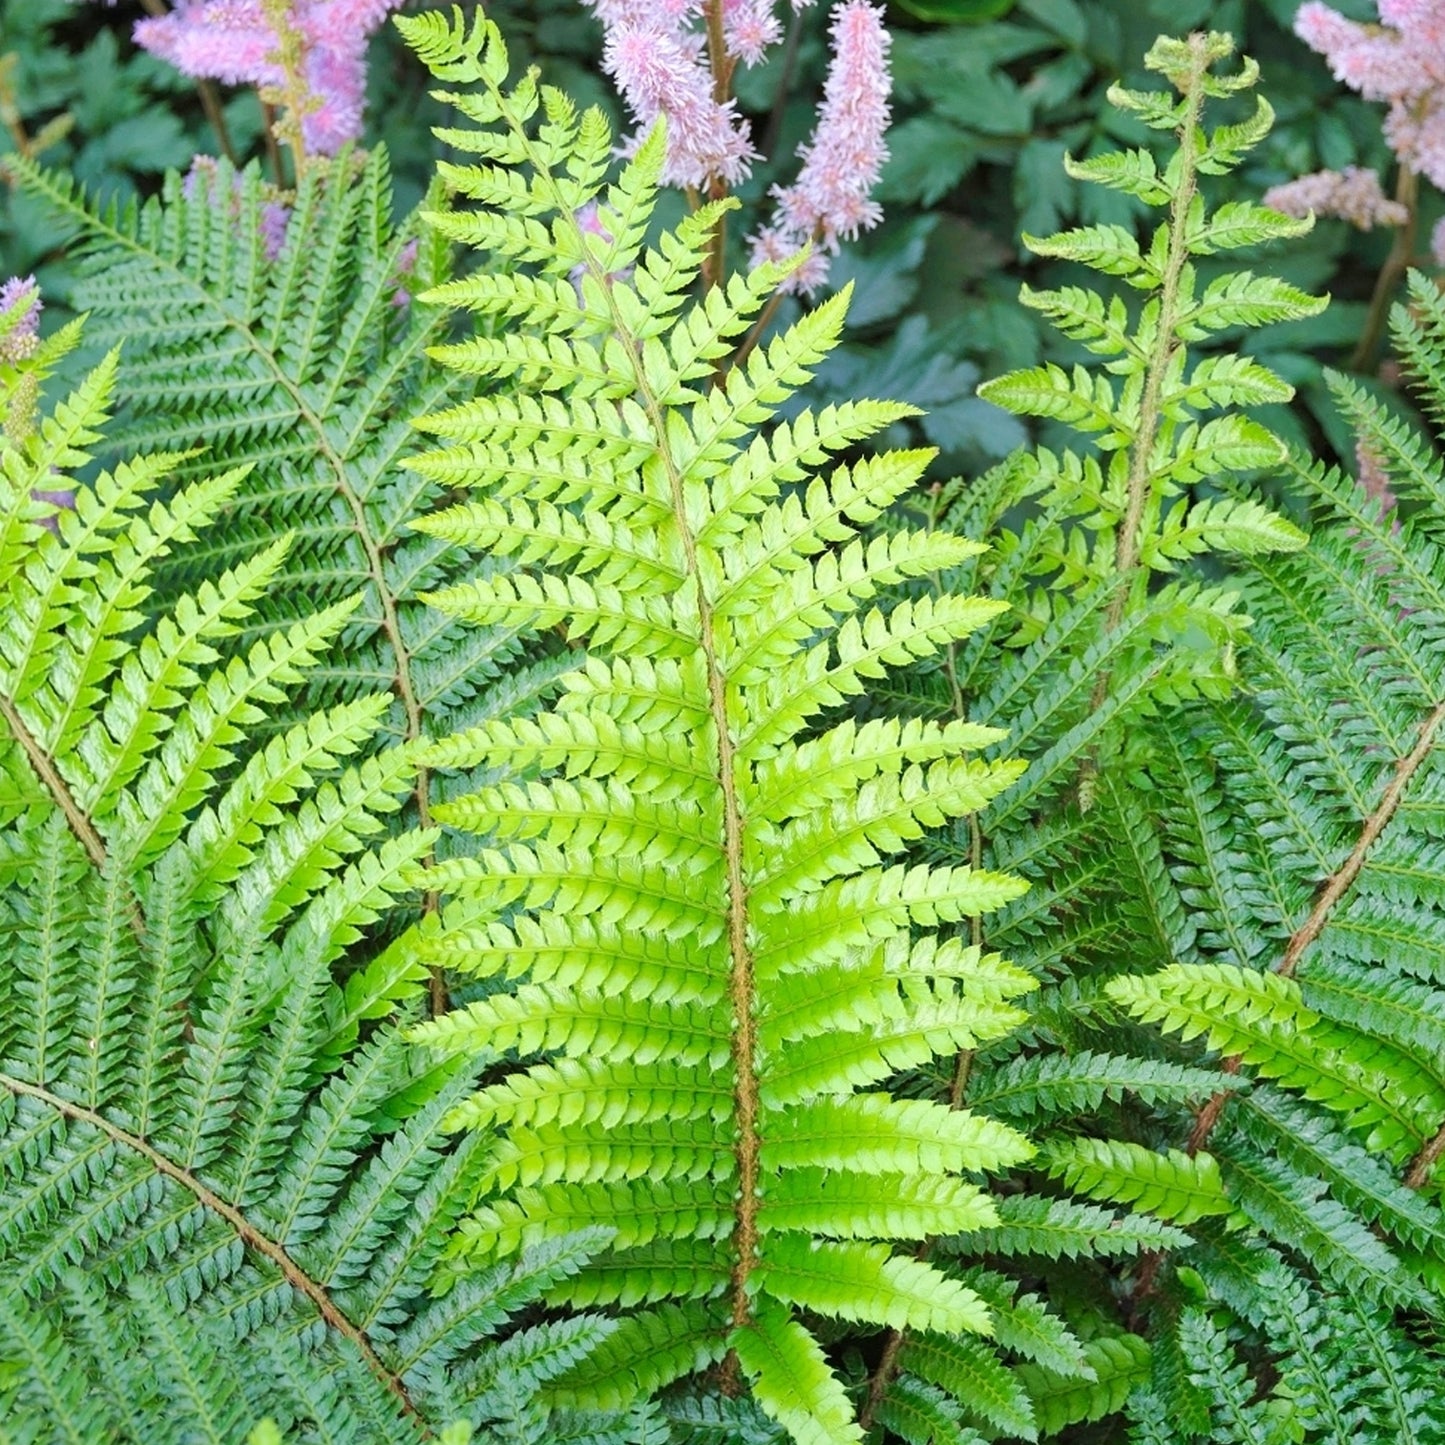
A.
pixel 225 1187
pixel 717 957
pixel 303 366
pixel 1301 829
pixel 1115 632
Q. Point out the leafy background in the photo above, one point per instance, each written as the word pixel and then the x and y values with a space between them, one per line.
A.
pixel 989 95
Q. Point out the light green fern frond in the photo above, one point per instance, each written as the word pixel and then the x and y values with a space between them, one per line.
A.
pixel 724 962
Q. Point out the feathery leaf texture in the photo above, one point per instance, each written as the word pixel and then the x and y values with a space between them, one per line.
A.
pixel 223 1183
pixel 302 369
pixel 723 961
pixel 1301 832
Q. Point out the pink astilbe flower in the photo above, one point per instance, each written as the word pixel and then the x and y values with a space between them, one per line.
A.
pixel 831 199
pixel 662 74
pixel 20 305
pixel 232 41
pixel 750 27
pixel 662 70
pixel 1401 61
pixel 1353 194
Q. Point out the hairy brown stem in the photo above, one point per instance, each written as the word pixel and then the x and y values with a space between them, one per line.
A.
pixel 714 266
pixel 1407 193
pixel 1336 886
pixel 246 1232
pixel 1126 543
pixel 59 789
pixel 742 986
pixel 1423 1164
pixel 273 146
pixel 756 330
pixel 1375 824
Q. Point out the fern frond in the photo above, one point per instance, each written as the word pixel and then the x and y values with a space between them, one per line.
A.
pixel 224 1183
pixel 718 954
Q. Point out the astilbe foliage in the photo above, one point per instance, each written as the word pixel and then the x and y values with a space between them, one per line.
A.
pixel 690 910
pixel 223 1188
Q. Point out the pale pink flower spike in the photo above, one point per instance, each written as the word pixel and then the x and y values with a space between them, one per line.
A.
pixel 231 41
pixel 1353 194
pixel 832 198
pixel 1401 61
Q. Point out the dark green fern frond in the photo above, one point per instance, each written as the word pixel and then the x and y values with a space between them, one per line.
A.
pixel 223 1186
pixel 301 360
pixel 1302 826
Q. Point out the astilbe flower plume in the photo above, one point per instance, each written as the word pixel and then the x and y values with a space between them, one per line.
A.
pixel 20 307
pixel 1400 61
pixel 659 60
pixel 20 310
pixel 1353 194
pixel 657 52
pixel 832 197
pixel 232 41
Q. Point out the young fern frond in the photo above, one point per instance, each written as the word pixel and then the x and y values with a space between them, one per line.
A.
pixel 724 964
pixel 1113 629
pixel 1159 425
pixel 223 1185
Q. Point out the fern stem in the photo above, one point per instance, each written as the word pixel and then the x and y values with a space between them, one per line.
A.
pixel 45 769
pixel 1341 882
pixel 755 331
pixel 1126 545
pixel 741 985
pixel 1407 193
pixel 714 268
pixel 273 146
pixel 1423 1164
pixel 247 1232
pixel 1335 888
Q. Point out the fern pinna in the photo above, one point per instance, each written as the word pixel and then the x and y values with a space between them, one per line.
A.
pixel 223 1188
pixel 716 956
